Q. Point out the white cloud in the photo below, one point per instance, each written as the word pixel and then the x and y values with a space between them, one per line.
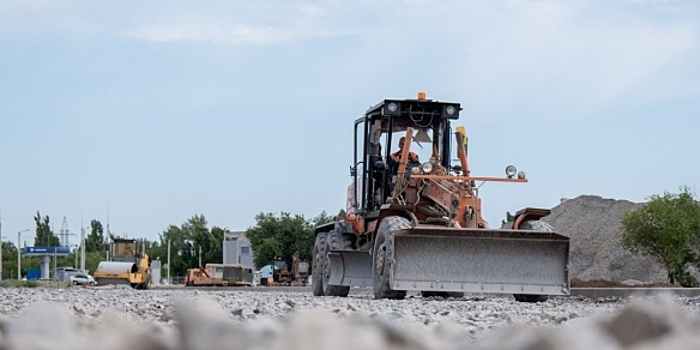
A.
pixel 228 34
pixel 264 23
pixel 555 58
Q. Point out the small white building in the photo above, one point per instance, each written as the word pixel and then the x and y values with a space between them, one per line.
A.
pixel 237 249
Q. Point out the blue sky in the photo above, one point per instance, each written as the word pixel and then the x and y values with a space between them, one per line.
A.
pixel 153 111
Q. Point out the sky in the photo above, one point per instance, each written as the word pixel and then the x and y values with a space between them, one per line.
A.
pixel 143 114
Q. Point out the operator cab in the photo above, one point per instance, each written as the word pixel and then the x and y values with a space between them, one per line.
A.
pixel 126 250
pixel 377 135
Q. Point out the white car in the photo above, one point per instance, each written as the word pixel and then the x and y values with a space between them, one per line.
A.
pixel 82 278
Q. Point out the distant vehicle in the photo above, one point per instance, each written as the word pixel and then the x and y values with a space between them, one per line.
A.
pixel 213 274
pixel 128 264
pixel 82 279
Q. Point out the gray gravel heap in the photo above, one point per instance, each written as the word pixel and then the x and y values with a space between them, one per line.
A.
pixel 594 226
pixel 77 318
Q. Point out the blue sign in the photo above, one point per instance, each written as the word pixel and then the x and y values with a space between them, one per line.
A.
pixel 33 274
pixel 46 250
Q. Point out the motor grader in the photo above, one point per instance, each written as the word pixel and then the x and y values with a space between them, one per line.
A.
pixel 414 217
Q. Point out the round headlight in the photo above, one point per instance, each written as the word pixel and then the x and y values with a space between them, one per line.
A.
pixel 450 110
pixel 521 174
pixel 511 170
pixel 415 170
pixel 392 107
pixel 427 167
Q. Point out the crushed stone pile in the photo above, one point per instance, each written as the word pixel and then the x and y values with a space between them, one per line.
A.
pixel 77 321
pixel 594 227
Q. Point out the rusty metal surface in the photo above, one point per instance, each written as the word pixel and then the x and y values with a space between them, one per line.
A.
pixel 350 268
pixel 478 260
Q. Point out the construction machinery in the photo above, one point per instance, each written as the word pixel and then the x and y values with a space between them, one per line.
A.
pixel 414 218
pixel 283 276
pixel 300 271
pixel 220 275
pixel 128 264
pixel 199 276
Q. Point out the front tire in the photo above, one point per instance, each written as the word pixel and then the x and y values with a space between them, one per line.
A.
pixel 383 257
pixel 318 263
pixel 334 240
pixel 533 225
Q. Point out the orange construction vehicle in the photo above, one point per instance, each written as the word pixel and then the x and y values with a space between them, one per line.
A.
pixel 219 275
pixel 283 276
pixel 199 276
pixel 415 223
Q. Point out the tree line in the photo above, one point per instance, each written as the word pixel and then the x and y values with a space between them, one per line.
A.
pixel 191 242
pixel 95 249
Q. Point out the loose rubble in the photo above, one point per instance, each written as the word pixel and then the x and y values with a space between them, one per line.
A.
pixel 77 318
pixel 594 226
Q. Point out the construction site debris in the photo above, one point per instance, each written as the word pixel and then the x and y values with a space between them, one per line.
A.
pixel 593 224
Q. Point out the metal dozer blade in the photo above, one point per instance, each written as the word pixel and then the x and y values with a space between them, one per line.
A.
pixel 480 261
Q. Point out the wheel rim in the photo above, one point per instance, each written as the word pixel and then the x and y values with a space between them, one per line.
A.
pixel 326 271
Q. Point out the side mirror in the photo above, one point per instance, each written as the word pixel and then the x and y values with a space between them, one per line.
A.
pixel 352 171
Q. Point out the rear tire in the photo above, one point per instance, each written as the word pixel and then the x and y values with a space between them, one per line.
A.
pixel 334 240
pixel 383 256
pixel 318 262
pixel 533 225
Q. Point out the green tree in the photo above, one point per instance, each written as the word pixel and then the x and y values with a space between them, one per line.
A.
pixel 94 242
pixel 277 237
pixel 667 228
pixel 9 260
pixel 341 214
pixel 185 242
pixel 282 236
pixel 509 218
pixel 44 235
pixel 181 255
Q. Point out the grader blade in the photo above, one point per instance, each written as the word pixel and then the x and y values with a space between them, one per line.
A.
pixel 480 261
pixel 350 268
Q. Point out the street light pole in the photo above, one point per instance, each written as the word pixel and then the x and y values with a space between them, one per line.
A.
pixel 82 249
pixel 75 254
pixel 19 255
pixel 169 282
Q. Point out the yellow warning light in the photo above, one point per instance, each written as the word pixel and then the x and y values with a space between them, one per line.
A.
pixel 462 130
pixel 421 95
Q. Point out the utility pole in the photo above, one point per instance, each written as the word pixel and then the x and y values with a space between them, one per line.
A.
pixel 169 282
pixel 19 262
pixel 82 247
pixel 54 264
pixel 82 243
pixel 200 255
pixel 19 255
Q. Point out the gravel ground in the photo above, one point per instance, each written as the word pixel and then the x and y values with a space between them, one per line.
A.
pixel 77 318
